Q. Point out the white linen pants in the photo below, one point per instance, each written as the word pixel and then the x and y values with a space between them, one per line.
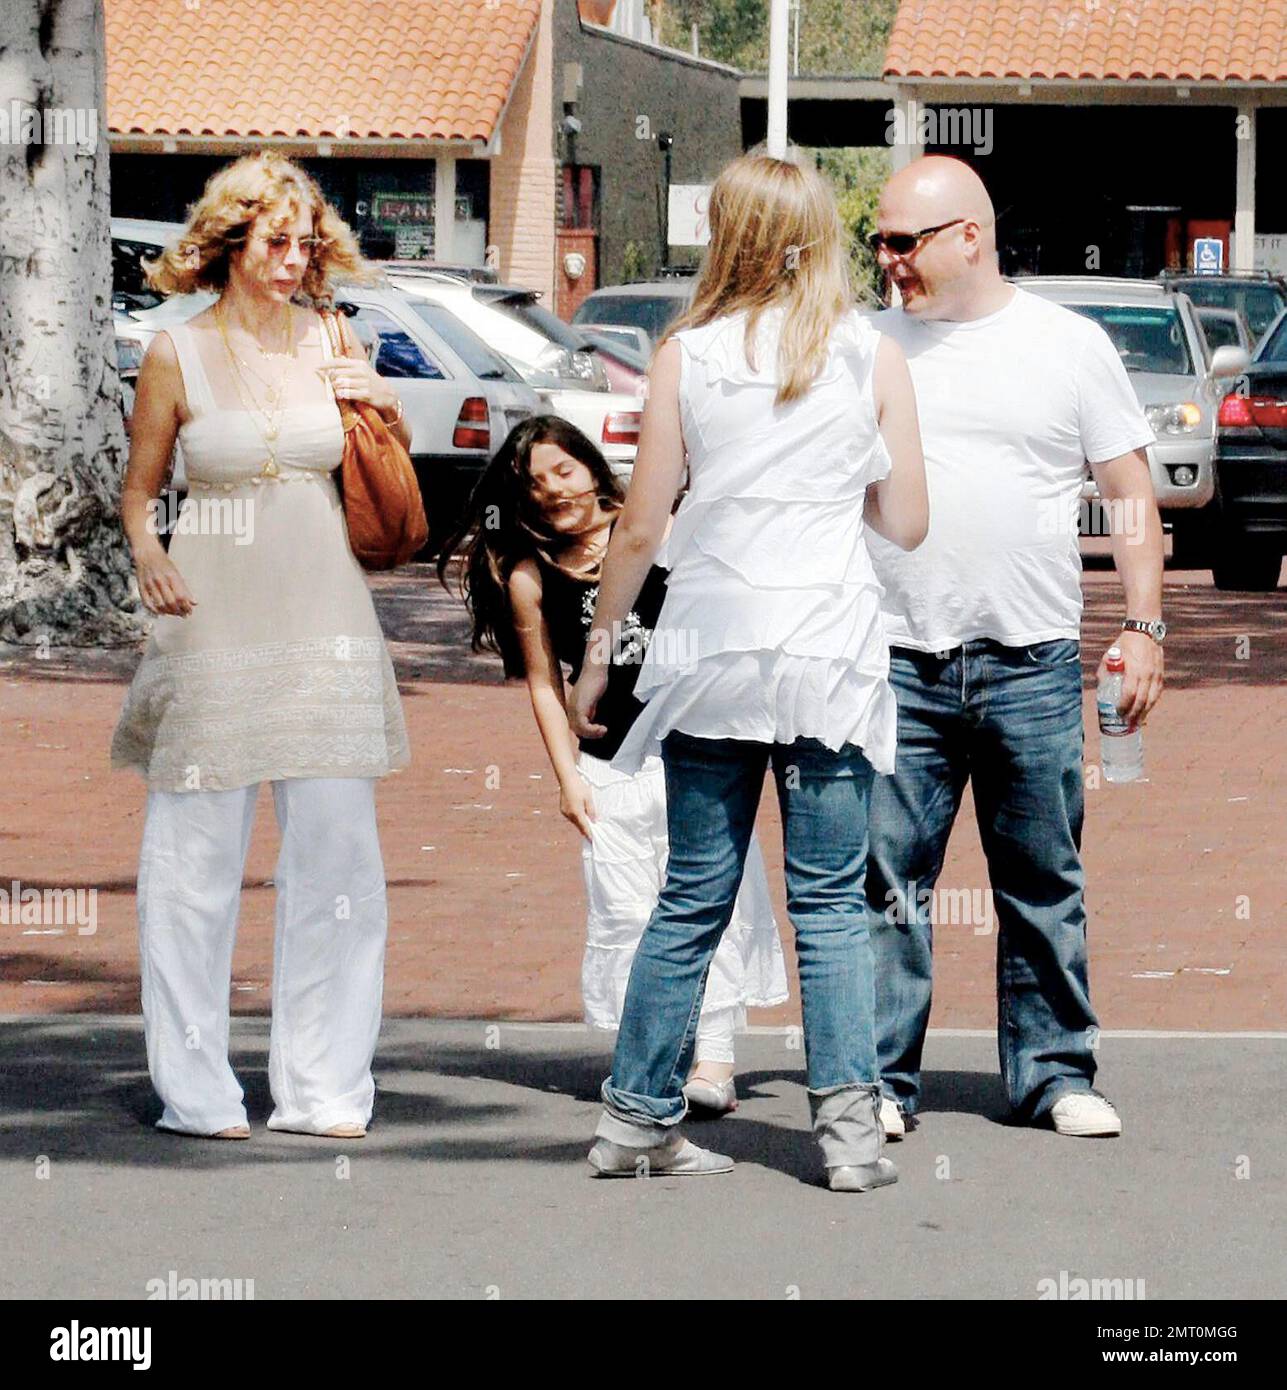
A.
pixel 328 952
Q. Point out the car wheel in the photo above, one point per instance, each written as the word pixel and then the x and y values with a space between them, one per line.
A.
pixel 1241 564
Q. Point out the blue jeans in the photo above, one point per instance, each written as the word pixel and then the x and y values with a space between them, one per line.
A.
pixel 713 789
pixel 1009 720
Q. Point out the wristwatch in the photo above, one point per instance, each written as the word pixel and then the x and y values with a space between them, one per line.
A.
pixel 1156 629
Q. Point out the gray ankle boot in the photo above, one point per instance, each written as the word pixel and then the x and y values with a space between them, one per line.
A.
pixel 846 1124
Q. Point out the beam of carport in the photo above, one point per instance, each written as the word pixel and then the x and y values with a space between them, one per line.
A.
pixel 822 112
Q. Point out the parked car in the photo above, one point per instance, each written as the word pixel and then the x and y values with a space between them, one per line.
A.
pixel 134 241
pixel 482 274
pixel 1177 379
pixel 129 358
pixel 623 364
pixel 634 338
pixel 1257 295
pixel 461 398
pixel 565 369
pixel 1251 471
pixel 649 308
pixel 1225 328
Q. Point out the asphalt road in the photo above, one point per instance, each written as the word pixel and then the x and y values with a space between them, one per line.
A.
pixel 473 1182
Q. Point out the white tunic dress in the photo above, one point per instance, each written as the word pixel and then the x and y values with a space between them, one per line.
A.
pixel 281 669
pixel 771 629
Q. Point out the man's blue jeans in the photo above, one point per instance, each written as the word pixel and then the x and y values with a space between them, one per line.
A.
pixel 713 789
pixel 1009 720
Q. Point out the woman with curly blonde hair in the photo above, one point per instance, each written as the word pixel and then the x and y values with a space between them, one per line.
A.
pixel 266 663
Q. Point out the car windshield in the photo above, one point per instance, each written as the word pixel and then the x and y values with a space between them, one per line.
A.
pixel 1146 339
pixel 129 285
pixel 466 344
pixel 1221 331
pixel 1260 305
pixel 652 313
pixel 397 353
pixel 1274 348
pixel 537 317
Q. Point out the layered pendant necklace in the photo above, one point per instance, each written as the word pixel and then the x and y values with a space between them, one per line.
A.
pixel 274 391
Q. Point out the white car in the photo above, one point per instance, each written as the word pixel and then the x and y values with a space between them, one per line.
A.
pixel 553 358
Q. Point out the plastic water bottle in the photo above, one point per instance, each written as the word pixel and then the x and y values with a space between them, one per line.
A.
pixel 1121 744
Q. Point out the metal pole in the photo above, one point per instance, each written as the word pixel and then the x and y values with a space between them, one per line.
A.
pixel 777 141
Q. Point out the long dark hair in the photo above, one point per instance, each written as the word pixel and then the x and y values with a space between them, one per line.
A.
pixel 503 524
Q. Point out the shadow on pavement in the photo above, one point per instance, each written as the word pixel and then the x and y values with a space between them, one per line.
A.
pixel 79 1091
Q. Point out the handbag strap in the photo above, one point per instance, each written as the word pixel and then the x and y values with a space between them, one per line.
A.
pixel 334 336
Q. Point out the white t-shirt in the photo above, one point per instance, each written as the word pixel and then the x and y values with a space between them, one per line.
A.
pixel 1012 406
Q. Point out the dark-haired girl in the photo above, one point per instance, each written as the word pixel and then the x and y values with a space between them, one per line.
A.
pixel 538 525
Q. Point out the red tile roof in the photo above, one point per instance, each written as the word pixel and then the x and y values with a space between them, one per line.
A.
pixel 418 69
pixel 1091 40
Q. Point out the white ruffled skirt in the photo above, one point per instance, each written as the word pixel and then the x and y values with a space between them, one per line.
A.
pixel 625 867
pixel 729 660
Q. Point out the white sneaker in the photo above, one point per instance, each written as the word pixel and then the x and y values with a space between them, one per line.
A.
pixel 1085 1115
pixel 891 1119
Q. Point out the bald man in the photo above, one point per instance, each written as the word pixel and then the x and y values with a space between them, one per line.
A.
pixel 1016 394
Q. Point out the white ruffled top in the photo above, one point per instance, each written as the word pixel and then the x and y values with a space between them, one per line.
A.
pixel 771 629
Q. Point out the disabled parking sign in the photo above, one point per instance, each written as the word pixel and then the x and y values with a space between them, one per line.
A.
pixel 1208 255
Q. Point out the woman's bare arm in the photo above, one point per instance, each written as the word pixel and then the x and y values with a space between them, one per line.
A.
pixel 545 689
pixel 158 403
pixel 897 507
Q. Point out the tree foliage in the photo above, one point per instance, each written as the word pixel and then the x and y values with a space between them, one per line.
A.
pixel 836 36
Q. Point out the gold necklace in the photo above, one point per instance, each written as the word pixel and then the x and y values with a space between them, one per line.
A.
pixel 272 414
pixel 287 357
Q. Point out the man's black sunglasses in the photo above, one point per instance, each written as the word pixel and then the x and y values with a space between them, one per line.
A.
pixel 904 243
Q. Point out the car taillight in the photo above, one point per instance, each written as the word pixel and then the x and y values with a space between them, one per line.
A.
pixel 1235 412
pixel 1245 412
pixel 621 426
pixel 1270 413
pixel 473 425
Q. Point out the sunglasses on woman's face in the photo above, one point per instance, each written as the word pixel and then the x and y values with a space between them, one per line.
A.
pixel 904 243
pixel 279 243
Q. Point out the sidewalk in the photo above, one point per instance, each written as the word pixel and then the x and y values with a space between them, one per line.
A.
pixel 473 1181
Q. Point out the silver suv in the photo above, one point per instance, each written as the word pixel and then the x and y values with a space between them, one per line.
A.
pixel 1177 379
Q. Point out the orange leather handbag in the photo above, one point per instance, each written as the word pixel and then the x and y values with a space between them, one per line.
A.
pixel 382 505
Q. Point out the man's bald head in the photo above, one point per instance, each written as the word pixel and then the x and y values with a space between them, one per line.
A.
pixel 936 189
pixel 955 263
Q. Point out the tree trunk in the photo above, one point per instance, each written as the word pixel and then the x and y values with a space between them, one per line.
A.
pixel 65 572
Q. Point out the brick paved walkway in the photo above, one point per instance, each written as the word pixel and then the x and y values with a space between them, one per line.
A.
pixel 1187 872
